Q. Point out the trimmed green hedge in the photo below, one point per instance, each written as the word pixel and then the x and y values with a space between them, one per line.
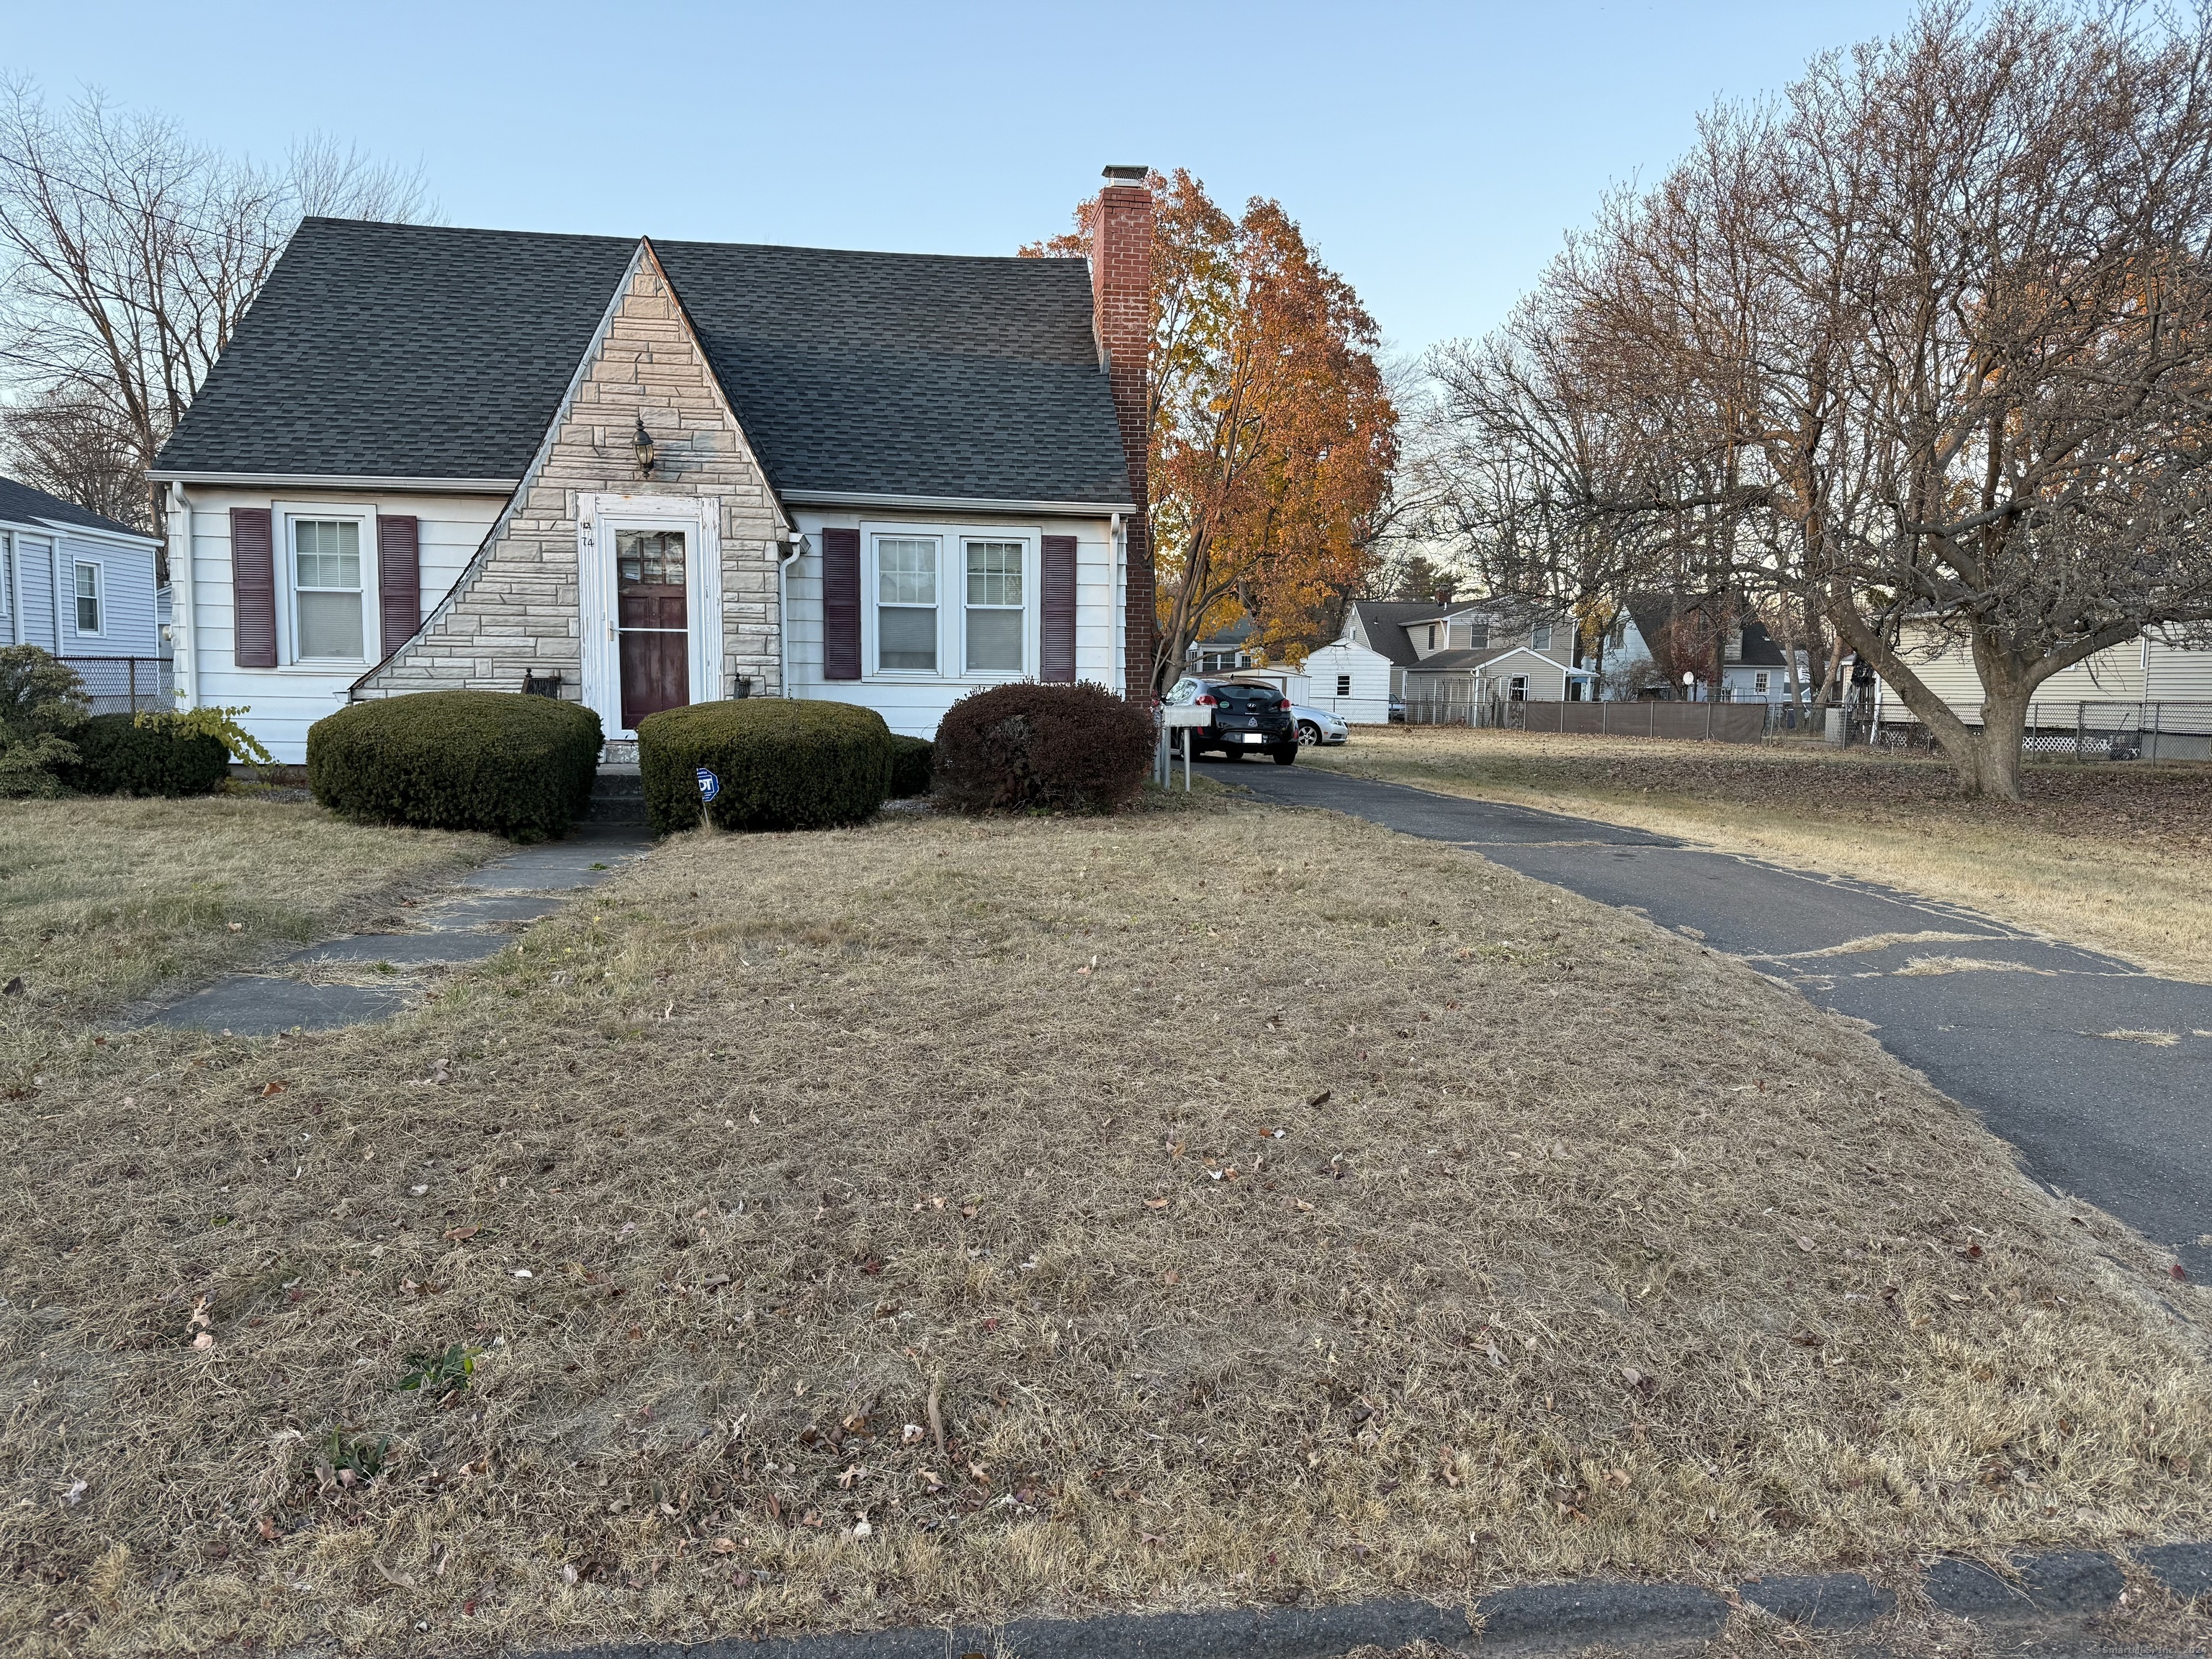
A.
pixel 1031 748
pixel 516 766
pixel 783 764
pixel 910 766
pixel 116 755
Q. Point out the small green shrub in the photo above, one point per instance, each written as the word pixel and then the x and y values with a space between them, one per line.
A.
pixel 1075 748
pixel 910 764
pixel 146 755
pixel 516 766
pixel 42 708
pixel 447 1372
pixel 782 765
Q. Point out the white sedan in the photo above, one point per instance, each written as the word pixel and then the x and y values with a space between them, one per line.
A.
pixel 1317 725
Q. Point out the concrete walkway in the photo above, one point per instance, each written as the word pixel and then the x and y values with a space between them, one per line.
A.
pixel 2098 1075
pixel 365 977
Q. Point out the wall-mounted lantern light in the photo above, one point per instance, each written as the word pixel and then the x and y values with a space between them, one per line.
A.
pixel 642 442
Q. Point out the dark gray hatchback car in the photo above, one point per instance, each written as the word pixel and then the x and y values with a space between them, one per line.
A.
pixel 1247 719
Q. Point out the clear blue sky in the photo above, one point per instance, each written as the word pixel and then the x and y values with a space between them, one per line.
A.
pixel 1435 154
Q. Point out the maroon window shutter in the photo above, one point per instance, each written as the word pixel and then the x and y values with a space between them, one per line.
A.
pixel 840 604
pixel 252 587
pixel 398 578
pixel 1057 591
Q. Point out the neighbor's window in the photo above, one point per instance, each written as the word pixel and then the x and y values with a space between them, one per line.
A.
pixel 1519 691
pixel 1432 636
pixel 88 599
pixel 1477 636
pixel 1540 636
pixel 906 603
pixel 1758 683
pixel 326 588
pixel 1343 685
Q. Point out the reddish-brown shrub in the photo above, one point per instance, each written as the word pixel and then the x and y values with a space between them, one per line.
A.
pixel 1022 748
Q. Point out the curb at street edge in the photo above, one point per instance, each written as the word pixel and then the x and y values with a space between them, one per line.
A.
pixel 2068 1585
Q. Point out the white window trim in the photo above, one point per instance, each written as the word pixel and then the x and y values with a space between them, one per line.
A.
pixel 99 568
pixel 598 516
pixel 952 602
pixel 284 515
pixel 8 581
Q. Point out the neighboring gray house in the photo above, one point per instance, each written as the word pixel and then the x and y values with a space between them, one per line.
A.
pixel 639 474
pixel 1755 667
pixel 81 586
pixel 1470 651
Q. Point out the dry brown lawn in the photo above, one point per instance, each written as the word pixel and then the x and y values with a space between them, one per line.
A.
pixel 946 1218
pixel 2117 856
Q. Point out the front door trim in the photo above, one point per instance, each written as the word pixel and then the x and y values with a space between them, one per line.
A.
pixel 598 515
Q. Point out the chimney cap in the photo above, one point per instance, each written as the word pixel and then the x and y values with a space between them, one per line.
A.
pixel 1127 175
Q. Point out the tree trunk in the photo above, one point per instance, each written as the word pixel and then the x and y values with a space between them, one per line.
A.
pixel 1988 761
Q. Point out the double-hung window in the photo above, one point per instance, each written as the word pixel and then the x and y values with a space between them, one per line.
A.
pixel 88 599
pixel 1540 636
pixel 906 603
pixel 994 607
pixel 1477 636
pixel 326 589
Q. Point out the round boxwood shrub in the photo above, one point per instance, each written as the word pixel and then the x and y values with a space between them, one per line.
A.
pixel 1073 748
pixel 498 761
pixel 117 755
pixel 779 764
pixel 909 766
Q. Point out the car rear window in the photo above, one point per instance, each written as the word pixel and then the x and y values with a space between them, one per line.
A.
pixel 1247 697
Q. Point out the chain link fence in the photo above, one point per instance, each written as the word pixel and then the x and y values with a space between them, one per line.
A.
pixel 126 685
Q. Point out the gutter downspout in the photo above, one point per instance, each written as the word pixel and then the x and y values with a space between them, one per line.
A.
pixel 1117 552
pixel 783 613
pixel 184 636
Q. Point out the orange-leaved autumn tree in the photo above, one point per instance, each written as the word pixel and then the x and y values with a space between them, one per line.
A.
pixel 1274 434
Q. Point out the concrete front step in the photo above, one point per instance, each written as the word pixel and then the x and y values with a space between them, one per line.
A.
pixel 617 795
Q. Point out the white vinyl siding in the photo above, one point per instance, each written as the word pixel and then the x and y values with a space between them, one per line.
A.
pixel 913 702
pixel 283 702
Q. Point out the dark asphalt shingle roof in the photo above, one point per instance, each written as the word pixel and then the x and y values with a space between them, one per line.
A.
pixel 20 504
pixel 1384 622
pixel 406 351
pixel 420 351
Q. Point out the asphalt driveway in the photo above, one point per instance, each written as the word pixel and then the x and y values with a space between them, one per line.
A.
pixel 2100 1075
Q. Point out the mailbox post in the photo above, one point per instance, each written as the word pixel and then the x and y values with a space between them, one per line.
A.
pixel 1183 718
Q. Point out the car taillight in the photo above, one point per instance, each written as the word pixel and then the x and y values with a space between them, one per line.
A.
pixel 1285 706
pixel 1205 700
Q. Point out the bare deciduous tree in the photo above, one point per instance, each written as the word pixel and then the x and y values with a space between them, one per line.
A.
pixel 1926 347
pixel 128 253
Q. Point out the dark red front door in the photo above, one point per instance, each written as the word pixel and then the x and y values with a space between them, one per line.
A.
pixel 651 623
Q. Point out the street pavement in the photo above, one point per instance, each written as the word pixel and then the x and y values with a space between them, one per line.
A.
pixel 2026 1030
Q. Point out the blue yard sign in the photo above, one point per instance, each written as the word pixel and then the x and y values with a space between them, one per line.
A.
pixel 709 785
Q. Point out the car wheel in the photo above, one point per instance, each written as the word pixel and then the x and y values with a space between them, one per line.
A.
pixel 1285 757
pixel 1309 732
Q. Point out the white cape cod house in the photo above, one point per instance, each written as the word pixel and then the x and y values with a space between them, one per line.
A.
pixel 639 474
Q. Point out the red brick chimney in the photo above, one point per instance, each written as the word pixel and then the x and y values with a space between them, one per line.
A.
pixel 1122 314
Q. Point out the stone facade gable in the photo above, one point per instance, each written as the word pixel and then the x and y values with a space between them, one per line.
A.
pixel 517 609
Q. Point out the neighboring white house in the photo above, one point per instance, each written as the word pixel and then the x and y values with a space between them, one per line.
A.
pixel 81 586
pixel 2160 691
pixel 1472 651
pixel 638 475
pixel 1351 681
